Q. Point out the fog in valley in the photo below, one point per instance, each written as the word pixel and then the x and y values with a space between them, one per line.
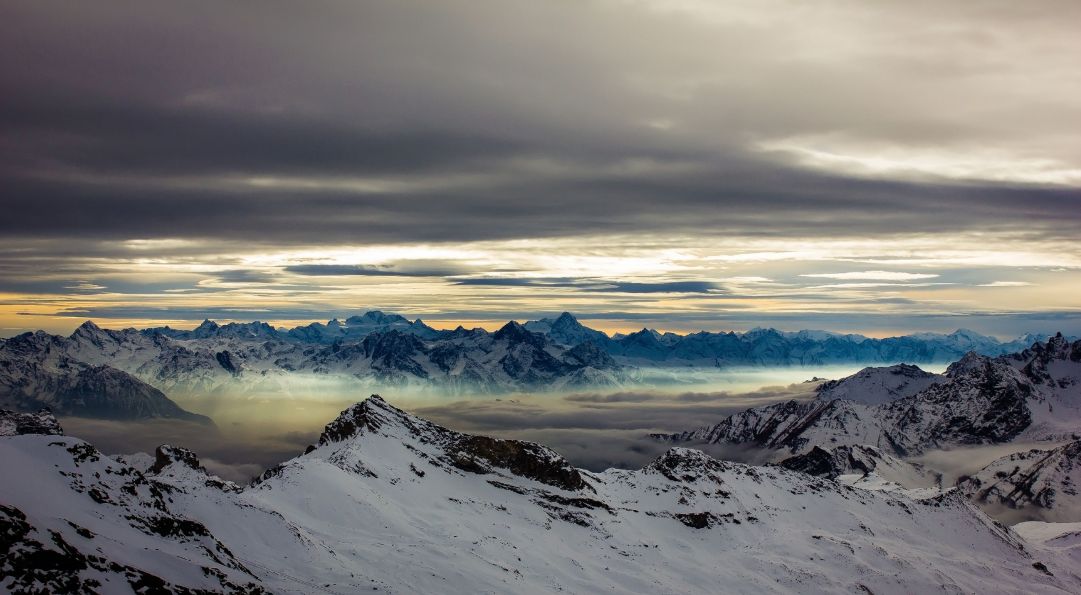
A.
pixel 594 429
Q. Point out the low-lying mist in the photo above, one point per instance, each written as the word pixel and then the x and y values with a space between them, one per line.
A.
pixel 595 430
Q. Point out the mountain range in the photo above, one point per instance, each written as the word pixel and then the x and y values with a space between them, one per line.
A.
pixel 127 373
pixel 389 502
pixel 897 412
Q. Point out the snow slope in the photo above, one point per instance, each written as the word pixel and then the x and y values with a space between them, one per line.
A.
pixel 392 502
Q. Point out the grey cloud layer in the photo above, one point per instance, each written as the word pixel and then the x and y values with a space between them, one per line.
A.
pixel 404 122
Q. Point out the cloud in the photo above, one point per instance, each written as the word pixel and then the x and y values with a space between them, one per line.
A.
pixel 443 139
pixel 1006 284
pixel 710 148
pixel 398 269
pixel 874 276
pixel 596 285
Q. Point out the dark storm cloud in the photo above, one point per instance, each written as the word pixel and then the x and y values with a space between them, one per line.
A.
pixel 404 269
pixel 193 313
pixel 597 285
pixel 245 276
pixel 401 121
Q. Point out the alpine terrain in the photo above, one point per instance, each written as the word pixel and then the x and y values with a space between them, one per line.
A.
pixel 389 502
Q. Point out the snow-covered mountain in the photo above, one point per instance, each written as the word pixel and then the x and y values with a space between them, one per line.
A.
pixel 566 330
pixel 1047 479
pixel 390 502
pixel 883 415
pixel 378 350
pixel 770 347
pixel 1032 395
pixel 874 386
pixel 252 358
pixel 38 370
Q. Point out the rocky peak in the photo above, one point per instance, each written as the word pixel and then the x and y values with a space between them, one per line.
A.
pixel 971 363
pixel 208 328
pixel 1057 347
pixel 207 325
pixel 566 318
pixel 476 454
pixel 645 337
pixel 167 455
pixel 17 424
pixel 91 333
pixel 685 465
pixel 513 333
pixel 89 326
pixel 370 414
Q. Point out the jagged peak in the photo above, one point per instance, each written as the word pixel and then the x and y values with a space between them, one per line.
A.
pixel 514 332
pixel 167 455
pixel 475 454
pixel 684 464
pixel 566 318
pixel 13 423
pixel 369 414
pixel 89 325
pixel 90 331
pixel 968 363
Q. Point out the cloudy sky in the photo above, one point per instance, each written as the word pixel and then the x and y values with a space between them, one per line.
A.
pixel 877 167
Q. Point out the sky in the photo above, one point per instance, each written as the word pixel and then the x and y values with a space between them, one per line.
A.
pixel 881 168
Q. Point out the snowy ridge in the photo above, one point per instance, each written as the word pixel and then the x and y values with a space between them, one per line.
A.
pixel 391 501
pixel 1035 395
pixel 874 386
pixel 1041 479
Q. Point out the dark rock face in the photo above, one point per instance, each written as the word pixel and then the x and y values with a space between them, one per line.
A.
pixel 521 458
pixel 393 351
pixel 166 455
pixel 1041 478
pixel 17 424
pixel 590 354
pixel 226 360
pixel 818 461
pixel 686 465
pixel 832 463
pixel 475 454
pixel 513 333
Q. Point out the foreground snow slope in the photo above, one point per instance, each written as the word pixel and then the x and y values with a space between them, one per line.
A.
pixel 390 501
